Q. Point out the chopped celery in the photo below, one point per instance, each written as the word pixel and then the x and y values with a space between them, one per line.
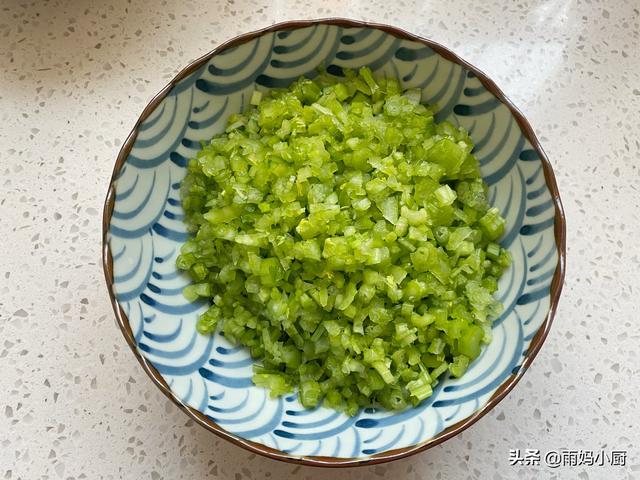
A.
pixel 445 195
pixel 346 239
pixel 459 365
pixel 469 343
pixel 256 96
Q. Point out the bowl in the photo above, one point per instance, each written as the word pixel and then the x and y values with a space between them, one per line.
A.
pixel 210 379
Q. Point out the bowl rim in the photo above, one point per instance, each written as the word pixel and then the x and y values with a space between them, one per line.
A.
pixel 505 387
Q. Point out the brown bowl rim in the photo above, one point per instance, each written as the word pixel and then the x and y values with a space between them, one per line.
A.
pixel 449 432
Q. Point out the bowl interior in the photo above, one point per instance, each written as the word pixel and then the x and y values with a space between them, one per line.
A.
pixel 146 230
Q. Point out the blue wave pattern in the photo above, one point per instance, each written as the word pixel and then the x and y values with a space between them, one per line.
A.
pixel 146 232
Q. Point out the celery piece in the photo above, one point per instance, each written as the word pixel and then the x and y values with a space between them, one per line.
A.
pixel 256 97
pixel 459 365
pixel 445 195
pixel 469 343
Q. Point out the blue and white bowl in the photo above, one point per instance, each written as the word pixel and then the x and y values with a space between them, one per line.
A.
pixel 211 379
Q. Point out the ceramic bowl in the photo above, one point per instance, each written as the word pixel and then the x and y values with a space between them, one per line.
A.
pixel 211 379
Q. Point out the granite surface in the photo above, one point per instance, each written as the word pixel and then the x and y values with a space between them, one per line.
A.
pixel 74 76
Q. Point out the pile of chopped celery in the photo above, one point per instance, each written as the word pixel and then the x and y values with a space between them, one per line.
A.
pixel 346 239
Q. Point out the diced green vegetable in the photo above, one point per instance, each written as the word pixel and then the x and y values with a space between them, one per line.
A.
pixel 459 365
pixel 346 239
pixel 445 195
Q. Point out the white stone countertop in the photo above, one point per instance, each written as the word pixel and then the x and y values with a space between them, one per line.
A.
pixel 75 75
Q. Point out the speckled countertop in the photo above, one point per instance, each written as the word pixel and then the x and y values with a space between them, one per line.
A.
pixel 73 79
